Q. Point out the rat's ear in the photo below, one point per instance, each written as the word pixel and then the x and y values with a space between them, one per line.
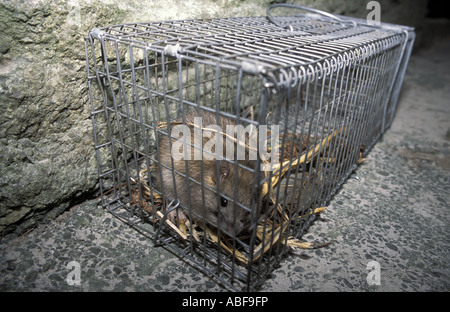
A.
pixel 224 170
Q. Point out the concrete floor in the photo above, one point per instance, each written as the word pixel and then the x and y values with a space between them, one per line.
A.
pixel 396 215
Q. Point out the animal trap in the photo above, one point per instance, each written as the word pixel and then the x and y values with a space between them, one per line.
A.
pixel 314 90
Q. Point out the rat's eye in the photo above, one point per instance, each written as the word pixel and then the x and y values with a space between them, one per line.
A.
pixel 223 202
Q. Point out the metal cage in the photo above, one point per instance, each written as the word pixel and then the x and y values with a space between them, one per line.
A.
pixel 329 83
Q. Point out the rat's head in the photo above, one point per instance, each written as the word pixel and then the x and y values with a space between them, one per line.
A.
pixel 225 210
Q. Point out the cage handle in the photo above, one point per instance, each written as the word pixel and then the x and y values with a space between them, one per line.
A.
pixel 300 7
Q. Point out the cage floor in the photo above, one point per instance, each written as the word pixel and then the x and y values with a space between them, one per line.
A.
pixel 396 214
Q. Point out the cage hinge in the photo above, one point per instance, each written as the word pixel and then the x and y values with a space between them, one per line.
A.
pixel 253 68
pixel 97 33
pixel 172 50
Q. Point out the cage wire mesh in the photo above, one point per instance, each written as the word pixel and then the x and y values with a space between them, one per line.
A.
pixel 329 83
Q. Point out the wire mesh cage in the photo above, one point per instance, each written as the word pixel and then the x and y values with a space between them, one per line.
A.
pixel 222 139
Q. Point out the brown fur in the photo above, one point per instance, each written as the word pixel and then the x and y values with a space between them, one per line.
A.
pixel 231 218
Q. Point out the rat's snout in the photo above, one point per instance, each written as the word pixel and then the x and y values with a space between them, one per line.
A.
pixel 231 225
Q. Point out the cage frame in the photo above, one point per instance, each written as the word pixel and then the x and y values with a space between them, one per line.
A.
pixel 275 80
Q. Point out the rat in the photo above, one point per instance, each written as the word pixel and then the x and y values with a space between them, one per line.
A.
pixel 208 206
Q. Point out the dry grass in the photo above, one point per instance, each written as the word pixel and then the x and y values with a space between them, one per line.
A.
pixel 272 229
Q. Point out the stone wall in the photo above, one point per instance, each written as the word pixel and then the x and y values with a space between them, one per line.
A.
pixel 47 161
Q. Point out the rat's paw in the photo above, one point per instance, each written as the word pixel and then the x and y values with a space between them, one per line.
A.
pixel 174 214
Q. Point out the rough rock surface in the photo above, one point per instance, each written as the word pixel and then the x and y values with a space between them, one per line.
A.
pixel 47 161
pixel 396 215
